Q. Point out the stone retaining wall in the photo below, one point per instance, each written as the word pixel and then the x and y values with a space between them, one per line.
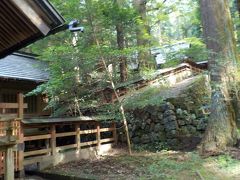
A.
pixel 163 123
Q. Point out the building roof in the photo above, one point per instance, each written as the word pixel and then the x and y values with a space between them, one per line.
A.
pixel 22 22
pixel 20 66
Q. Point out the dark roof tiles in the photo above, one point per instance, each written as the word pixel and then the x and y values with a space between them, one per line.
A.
pixel 23 67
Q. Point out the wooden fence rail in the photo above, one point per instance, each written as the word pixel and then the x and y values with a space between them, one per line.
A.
pixel 24 156
pixel 51 137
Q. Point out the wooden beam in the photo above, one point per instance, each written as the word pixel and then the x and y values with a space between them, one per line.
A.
pixel 53 140
pixel 107 140
pixel 78 136
pixel 88 143
pixel 21 150
pixel 29 12
pixel 65 134
pixel 91 131
pixel 114 132
pixel 9 164
pixel 12 105
pixel 39 137
pixel 66 147
pixel 106 129
pixel 37 152
pixel 20 105
pixel 98 135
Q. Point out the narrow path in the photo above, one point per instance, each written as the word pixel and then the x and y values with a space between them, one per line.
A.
pixel 178 88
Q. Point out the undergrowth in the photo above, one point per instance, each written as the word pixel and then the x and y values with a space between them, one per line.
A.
pixel 148 96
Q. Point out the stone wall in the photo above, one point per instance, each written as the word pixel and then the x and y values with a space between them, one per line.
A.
pixel 164 123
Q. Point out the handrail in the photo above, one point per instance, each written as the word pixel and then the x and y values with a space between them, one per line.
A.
pixel 52 135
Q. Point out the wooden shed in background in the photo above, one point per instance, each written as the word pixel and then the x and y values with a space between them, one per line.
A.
pixel 21 73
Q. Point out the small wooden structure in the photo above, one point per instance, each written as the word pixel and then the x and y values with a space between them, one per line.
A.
pixel 15 79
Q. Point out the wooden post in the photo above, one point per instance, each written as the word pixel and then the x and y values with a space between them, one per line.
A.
pixel 9 156
pixel 114 133
pixel 9 164
pixel 98 137
pixel 78 137
pixel 53 140
pixel 20 105
pixel 21 150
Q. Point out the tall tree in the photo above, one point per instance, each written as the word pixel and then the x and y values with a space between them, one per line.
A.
pixel 238 6
pixel 143 31
pixel 218 31
pixel 120 42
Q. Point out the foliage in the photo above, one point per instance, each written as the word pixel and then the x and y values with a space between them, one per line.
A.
pixel 153 147
pixel 197 52
pixel 76 72
pixel 148 96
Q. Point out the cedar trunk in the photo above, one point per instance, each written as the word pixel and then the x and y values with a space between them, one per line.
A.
pixel 142 30
pixel 123 60
pixel 238 6
pixel 218 32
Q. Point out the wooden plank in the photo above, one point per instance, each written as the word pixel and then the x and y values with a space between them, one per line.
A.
pixel 65 134
pixel 66 147
pixel 78 136
pixel 92 131
pixel 98 136
pixel 20 105
pixel 12 105
pixel 88 143
pixel 107 140
pixel 31 138
pixel 9 164
pixel 106 129
pixel 114 133
pixel 21 151
pixel 53 140
pixel 32 160
pixel 37 152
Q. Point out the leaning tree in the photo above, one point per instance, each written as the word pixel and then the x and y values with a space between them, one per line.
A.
pixel 218 32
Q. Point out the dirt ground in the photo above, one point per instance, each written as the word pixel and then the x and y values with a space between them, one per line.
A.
pixel 162 165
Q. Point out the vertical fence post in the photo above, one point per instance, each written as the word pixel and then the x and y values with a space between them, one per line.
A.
pixel 78 138
pixel 9 164
pixel 9 157
pixel 114 132
pixel 21 150
pixel 53 140
pixel 20 105
pixel 98 135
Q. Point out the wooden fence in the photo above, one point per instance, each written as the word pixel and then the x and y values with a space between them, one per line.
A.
pixel 50 136
pixel 4 126
pixel 178 73
pixel 24 155
pixel 49 133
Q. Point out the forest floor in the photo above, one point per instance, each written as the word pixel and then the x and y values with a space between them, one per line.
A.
pixel 159 165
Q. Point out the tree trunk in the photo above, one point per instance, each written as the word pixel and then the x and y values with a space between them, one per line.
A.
pixel 218 32
pixel 123 60
pixel 238 6
pixel 121 109
pixel 143 31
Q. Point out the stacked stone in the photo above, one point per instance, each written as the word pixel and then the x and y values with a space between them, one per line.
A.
pixel 163 123
pixel 189 124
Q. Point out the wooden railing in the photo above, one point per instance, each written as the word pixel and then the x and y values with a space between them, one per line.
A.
pixel 51 135
pixel 161 77
pixel 19 106
pixel 12 127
